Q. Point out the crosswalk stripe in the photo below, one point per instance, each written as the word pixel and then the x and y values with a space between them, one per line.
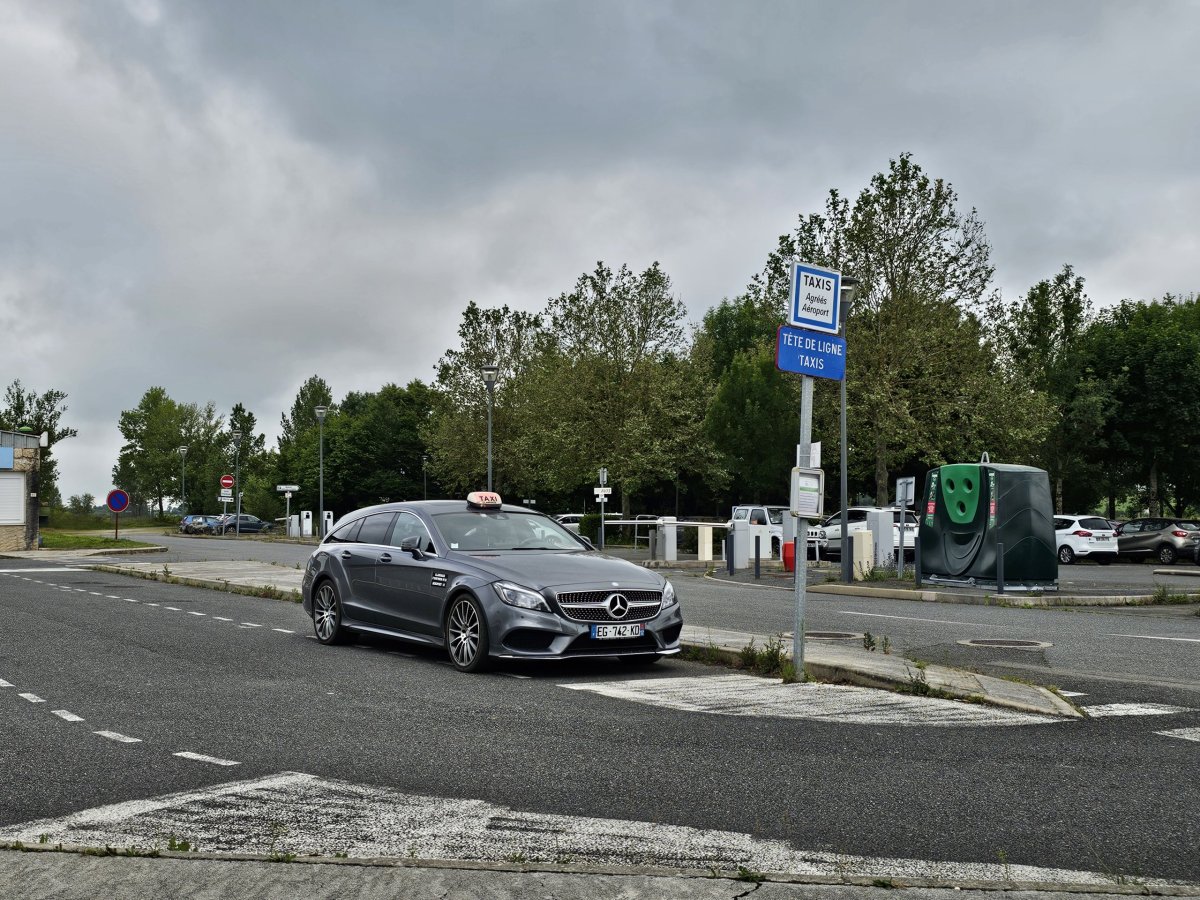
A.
pixel 1133 709
pixel 1188 734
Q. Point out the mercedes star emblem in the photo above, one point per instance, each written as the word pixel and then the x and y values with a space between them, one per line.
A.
pixel 618 606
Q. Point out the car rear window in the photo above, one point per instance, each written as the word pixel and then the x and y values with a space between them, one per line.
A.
pixel 1189 526
pixel 1095 523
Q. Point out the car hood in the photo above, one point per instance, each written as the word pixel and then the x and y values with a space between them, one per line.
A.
pixel 562 570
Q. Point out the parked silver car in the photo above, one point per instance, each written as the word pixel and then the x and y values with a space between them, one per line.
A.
pixel 1166 540
pixel 484 581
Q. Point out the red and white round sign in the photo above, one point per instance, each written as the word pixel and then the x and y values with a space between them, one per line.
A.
pixel 226 481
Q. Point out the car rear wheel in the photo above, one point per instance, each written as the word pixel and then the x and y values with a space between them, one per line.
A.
pixel 327 614
pixel 1066 555
pixel 1167 555
pixel 466 635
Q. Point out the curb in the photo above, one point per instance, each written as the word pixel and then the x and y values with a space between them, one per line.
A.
pixel 860 589
pixel 226 587
pixel 1120 890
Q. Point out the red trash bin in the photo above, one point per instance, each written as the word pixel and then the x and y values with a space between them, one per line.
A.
pixel 789 556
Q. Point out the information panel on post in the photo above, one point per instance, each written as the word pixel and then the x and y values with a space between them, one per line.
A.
pixel 810 353
pixel 816 298
pixel 808 493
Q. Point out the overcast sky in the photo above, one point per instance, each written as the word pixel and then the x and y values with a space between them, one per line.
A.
pixel 223 198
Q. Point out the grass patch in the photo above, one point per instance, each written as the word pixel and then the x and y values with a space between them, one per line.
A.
pixel 58 540
pixel 1164 595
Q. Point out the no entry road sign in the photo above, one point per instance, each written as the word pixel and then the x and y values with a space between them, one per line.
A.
pixel 226 481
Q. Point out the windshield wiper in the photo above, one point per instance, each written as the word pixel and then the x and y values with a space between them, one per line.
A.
pixel 538 548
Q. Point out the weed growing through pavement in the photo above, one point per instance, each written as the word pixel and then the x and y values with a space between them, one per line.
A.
pixel 518 858
pixel 1164 595
pixel 43 838
pixel 744 874
pixel 869 642
pixel 166 571
pixel 886 646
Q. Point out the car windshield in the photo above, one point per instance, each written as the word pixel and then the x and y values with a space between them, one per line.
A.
pixel 470 531
pixel 775 514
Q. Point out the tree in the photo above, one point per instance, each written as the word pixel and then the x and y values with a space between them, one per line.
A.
pixel 456 431
pixel 922 382
pixel 148 466
pixel 299 433
pixel 1040 337
pixel 42 413
pixel 1150 354
pixel 82 504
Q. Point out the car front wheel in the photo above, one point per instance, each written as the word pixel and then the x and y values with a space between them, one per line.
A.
pixel 327 614
pixel 1167 555
pixel 466 635
pixel 1066 555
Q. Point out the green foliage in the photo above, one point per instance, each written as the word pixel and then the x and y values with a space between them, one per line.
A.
pixel 41 413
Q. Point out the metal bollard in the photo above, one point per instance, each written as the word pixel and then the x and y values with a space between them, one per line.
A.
pixel 729 553
pixel 999 568
pixel 757 551
pixel 917 561
pixel 653 536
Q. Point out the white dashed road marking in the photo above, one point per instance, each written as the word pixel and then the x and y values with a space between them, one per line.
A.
pixel 129 600
pixel 192 612
pixel 251 625
pixel 1133 709
pixel 284 630
pixel 4 684
pixel 200 757
pixel 152 604
pixel 1072 694
pixel 66 716
pixel 850 612
pixel 172 608
pixel 1188 734
pixel 32 698
pixel 115 736
pixel 222 619
pixel 1155 637
pixel 746 695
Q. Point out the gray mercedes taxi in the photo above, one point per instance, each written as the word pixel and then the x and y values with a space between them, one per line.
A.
pixel 485 580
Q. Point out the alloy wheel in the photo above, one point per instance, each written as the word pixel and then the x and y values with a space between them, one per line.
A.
pixel 464 633
pixel 325 612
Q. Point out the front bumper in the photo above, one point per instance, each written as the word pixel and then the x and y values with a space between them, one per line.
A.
pixel 528 634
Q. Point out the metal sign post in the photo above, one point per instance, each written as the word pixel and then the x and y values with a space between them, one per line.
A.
pixel 601 493
pixel 286 490
pixel 804 451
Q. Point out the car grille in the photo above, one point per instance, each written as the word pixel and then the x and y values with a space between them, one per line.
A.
pixel 591 606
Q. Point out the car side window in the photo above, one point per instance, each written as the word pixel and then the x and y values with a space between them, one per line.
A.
pixel 1060 524
pixel 347 534
pixel 407 525
pixel 1132 527
pixel 758 517
pixel 857 515
pixel 375 528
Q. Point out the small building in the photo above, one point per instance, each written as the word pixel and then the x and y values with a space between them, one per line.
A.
pixel 20 461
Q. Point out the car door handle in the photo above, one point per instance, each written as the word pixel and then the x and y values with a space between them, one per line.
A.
pixel 346 554
pixel 385 558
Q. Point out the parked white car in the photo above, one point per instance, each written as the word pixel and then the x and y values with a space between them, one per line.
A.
pixel 856 520
pixel 1084 537
pixel 772 518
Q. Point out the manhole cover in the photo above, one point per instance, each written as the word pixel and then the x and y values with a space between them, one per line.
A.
pixel 834 635
pixel 1005 644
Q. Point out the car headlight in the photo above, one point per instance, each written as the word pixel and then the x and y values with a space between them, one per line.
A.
pixel 668 595
pixel 523 597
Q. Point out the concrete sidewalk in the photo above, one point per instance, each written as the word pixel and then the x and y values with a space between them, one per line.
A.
pixel 68 875
pixel 824 660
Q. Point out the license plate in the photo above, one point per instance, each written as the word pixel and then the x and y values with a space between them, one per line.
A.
pixel 609 632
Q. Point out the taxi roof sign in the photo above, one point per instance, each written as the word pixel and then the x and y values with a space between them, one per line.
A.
pixel 484 499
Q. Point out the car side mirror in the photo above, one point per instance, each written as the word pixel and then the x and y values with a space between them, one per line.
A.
pixel 412 544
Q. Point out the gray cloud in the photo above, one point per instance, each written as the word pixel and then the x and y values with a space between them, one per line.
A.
pixel 224 198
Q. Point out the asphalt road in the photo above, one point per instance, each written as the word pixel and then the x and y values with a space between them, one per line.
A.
pixel 236 679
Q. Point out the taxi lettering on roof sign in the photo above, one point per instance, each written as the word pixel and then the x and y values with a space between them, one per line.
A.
pixel 484 499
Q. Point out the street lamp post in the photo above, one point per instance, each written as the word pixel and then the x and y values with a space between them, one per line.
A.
pixel 237 482
pixel 490 371
pixel 182 480
pixel 321 412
